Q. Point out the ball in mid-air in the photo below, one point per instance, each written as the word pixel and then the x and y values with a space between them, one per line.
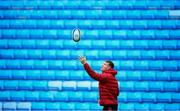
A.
pixel 76 35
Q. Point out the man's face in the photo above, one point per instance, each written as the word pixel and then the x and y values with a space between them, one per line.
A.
pixel 105 66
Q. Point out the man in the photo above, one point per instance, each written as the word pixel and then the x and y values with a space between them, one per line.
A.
pixel 108 85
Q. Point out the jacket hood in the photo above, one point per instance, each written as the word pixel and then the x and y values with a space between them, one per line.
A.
pixel 111 71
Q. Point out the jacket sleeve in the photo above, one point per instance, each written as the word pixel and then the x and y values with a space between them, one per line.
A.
pixel 93 74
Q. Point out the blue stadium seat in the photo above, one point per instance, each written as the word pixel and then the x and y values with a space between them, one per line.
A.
pixel 4 95
pixel 174 54
pixel 148 54
pixel 57 24
pixel 120 34
pixel 76 75
pixel 121 75
pixel 171 86
pixel 69 85
pixel 95 107
pixel 54 64
pixel 133 54
pixel 162 54
pixel 52 106
pixel 141 86
pixel 22 54
pixel 75 96
pixel 83 85
pixel 162 34
pixel 27 64
pixel 4 24
pixel 96 65
pixel 91 34
pixel 47 74
pixel 99 44
pixel 3 64
pixel 85 24
pixel 156 65
pixel 148 75
pixel 50 34
pixel 82 106
pixel 10 85
pixel 170 65
pixel 31 24
pixel 113 44
pixel 16 24
pixel 63 54
pixel 69 64
pixel 13 64
pixel 10 33
pixel 106 34
pixel 9 106
pixel 126 64
pixel 46 96
pixel 42 44
pixel 141 44
pixel 133 75
pixel 19 74
pixel 123 97
pixel 5 74
pixel 61 96
pixel 156 86
pixel 38 106
pixel 150 14
pixel 163 76
pixel 25 85
pixel 147 34
pixel 99 24
pixel 132 14
pixel 62 75
pixel 43 24
pixel 67 106
pixel 126 24
pixel 77 14
pixel 94 85
pixel 175 97
pixel 91 54
pixel 55 44
pixel 40 85
pixel 120 54
pixel 36 34
pixel 135 34
pixel 163 97
pixel 7 54
pixel 74 54
pixel 17 95
pixel 14 43
pixel 33 74
pixel 142 65
pixel 149 97
pixel 54 85
pixel 169 24
pixel 161 14
pixel 127 86
pixel 139 5
pixel 28 43
pixel 1 85
pixel 112 24
pixel 90 96
pixel 175 75
pixel 134 97
pixel 107 54
pixel 31 96
pixel 126 106
pixel 157 106
pixel 23 106
pixel 154 24
pixel 3 43
pixel 140 24
pixel 170 44
pixel 172 107
pixel 34 54
pixel 141 107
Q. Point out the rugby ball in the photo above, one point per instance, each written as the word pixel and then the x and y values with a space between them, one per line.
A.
pixel 76 35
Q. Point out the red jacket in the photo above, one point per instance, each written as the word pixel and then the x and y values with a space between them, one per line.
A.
pixel 108 85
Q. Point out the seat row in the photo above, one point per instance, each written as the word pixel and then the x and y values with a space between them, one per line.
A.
pixel 90 24
pixel 89 44
pixel 90 54
pixel 87 96
pixel 88 106
pixel 55 4
pixel 85 14
pixel 57 85
pixel 82 75
pixel 75 65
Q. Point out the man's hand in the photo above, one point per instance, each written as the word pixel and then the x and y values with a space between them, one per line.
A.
pixel 82 59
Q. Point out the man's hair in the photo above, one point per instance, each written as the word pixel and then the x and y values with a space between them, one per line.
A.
pixel 111 64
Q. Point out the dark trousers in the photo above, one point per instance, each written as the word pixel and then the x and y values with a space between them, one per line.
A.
pixel 110 108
